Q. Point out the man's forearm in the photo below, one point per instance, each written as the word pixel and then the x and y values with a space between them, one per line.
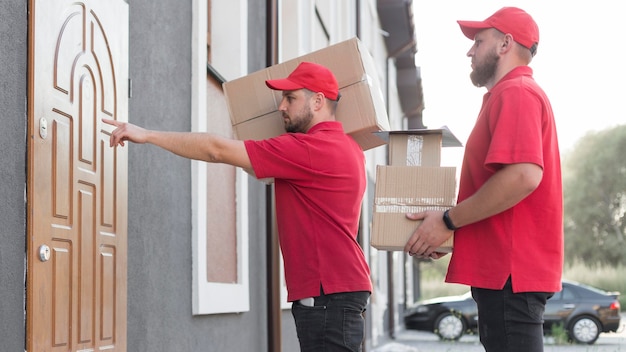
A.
pixel 502 191
pixel 202 146
pixel 191 145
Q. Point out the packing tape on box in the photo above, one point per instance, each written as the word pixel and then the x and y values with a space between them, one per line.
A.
pixel 422 201
pixel 414 146
pixel 399 208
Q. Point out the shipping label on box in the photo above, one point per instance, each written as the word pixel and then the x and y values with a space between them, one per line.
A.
pixel 253 106
pixel 409 189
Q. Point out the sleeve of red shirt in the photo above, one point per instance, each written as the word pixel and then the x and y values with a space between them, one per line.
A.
pixel 515 124
pixel 282 157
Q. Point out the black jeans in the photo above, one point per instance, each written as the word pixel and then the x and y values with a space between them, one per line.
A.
pixel 510 322
pixel 334 323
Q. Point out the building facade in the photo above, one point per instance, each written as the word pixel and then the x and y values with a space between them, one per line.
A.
pixel 194 265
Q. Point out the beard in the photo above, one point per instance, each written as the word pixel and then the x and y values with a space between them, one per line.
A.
pixel 485 69
pixel 300 122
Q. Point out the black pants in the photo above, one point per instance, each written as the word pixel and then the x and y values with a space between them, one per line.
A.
pixel 510 322
pixel 334 323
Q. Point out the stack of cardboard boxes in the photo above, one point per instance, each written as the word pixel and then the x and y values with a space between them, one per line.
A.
pixel 413 182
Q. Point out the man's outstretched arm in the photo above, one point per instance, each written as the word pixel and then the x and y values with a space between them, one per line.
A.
pixel 191 145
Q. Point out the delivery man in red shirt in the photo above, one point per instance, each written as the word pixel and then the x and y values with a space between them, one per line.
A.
pixel 319 175
pixel 508 221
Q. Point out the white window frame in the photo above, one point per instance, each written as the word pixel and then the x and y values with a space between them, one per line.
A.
pixel 211 297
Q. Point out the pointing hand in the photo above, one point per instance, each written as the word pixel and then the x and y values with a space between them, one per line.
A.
pixel 125 132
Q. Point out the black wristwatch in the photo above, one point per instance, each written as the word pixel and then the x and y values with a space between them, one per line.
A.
pixel 448 221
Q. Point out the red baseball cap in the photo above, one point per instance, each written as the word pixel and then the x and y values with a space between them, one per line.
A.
pixel 509 20
pixel 311 76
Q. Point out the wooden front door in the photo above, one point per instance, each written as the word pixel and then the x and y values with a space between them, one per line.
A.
pixel 77 184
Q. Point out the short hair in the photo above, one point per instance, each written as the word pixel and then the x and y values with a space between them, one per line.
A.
pixel 331 103
pixel 523 52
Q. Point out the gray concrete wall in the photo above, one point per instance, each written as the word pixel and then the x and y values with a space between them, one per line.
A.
pixel 257 209
pixel 13 84
pixel 159 226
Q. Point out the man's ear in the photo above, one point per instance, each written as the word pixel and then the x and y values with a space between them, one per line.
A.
pixel 319 100
pixel 507 43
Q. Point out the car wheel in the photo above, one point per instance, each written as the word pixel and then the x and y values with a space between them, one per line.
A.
pixel 585 330
pixel 449 326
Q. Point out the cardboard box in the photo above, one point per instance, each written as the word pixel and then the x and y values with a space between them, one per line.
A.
pixel 415 149
pixel 419 147
pixel 253 106
pixel 409 189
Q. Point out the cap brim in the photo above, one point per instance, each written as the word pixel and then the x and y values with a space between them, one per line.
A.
pixel 282 84
pixel 470 28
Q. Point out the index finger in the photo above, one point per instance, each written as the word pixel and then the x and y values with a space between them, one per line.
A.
pixel 111 122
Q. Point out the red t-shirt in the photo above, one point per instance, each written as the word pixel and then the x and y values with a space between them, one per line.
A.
pixel 319 182
pixel 515 125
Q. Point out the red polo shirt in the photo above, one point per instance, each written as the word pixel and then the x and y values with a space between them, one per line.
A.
pixel 515 125
pixel 319 179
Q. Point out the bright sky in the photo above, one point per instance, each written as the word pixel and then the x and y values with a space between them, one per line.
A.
pixel 580 63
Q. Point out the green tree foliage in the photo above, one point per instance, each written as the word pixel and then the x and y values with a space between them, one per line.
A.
pixel 594 187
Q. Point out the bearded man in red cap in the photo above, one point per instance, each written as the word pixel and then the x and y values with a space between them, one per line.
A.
pixel 508 221
pixel 319 174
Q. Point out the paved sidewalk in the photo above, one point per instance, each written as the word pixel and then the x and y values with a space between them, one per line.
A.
pixel 414 341
pixel 417 341
pixel 420 341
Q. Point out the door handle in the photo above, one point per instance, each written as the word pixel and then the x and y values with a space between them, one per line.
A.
pixel 44 253
pixel 569 306
pixel 43 128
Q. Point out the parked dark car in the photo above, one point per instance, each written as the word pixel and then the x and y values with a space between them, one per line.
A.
pixel 583 311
